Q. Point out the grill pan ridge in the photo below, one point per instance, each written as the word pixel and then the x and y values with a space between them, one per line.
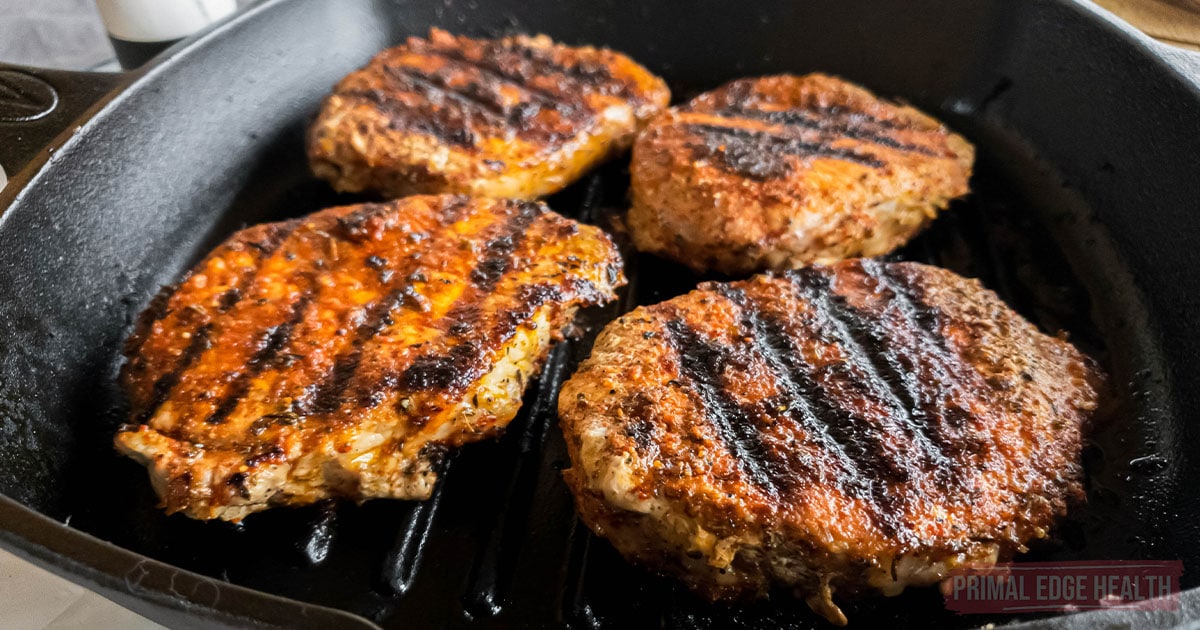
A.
pixel 499 544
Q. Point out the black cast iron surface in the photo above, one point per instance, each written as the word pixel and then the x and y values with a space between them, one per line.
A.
pixel 1083 219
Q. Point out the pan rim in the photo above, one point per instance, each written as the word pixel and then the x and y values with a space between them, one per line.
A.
pixel 21 526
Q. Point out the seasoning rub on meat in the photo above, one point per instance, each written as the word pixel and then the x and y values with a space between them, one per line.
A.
pixel 784 171
pixel 514 117
pixel 853 428
pixel 341 354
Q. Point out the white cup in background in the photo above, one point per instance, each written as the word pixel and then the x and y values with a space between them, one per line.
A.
pixel 139 29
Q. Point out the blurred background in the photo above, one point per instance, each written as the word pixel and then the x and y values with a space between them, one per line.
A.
pixel 69 34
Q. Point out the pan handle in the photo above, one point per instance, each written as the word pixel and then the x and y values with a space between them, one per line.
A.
pixel 1186 62
pixel 37 108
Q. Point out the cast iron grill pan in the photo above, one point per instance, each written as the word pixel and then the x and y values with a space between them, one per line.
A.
pixel 499 544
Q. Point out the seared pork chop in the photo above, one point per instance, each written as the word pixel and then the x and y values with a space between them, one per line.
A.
pixel 341 354
pixel 515 117
pixel 784 171
pixel 858 427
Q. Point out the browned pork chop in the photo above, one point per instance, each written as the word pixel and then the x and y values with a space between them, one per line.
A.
pixel 515 117
pixel 785 171
pixel 858 427
pixel 339 355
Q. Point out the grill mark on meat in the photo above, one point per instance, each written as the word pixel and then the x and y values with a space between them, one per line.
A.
pixel 498 253
pixel 702 364
pixel 853 125
pixel 921 316
pixel 496 74
pixel 584 75
pixel 839 111
pixel 159 306
pixel 889 375
pixel 851 439
pixel 201 335
pixel 200 342
pixel 452 370
pixel 478 100
pixel 919 337
pixel 353 226
pixel 271 343
pixel 793 394
pixel 759 154
pixel 442 371
pixel 329 389
pixel 463 364
pixel 448 124
pixel 437 85
pixel 745 91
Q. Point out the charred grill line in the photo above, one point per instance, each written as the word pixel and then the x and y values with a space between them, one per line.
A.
pixel 450 126
pixel 946 366
pixel 433 84
pixel 867 347
pixel 443 371
pixel 273 341
pixel 745 91
pixel 157 309
pixel 858 439
pixel 352 227
pixel 702 364
pixel 769 345
pixel 583 75
pixel 201 335
pixel 851 438
pixel 856 126
pixel 163 386
pixel 458 367
pixel 498 253
pixel 922 319
pixel 760 154
pixel 780 142
pixel 494 72
pixel 838 111
pixel 464 363
pixel 331 387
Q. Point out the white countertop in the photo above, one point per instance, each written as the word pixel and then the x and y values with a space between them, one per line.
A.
pixel 32 598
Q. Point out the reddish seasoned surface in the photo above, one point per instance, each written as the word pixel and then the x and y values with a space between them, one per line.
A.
pixel 782 171
pixel 367 319
pixel 859 412
pixel 513 117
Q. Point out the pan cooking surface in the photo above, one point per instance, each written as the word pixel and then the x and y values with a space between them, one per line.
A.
pixel 162 175
pixel 499 541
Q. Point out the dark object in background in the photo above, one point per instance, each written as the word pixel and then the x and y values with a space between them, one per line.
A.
pixel 133 54
pixel 140 29
pixel 1084 219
